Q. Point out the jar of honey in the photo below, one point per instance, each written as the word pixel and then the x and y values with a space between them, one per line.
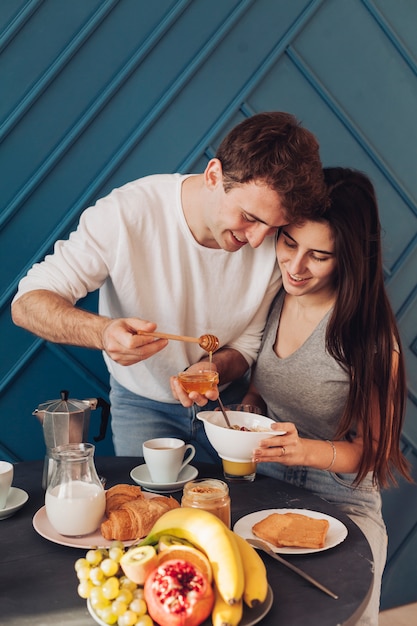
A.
pixel 209 494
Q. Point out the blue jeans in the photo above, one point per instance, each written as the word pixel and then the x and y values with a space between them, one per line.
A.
pixel 134 419
pixel 362 504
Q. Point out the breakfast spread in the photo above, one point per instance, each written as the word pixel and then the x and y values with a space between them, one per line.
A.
pixel 130 515
pixel 292 530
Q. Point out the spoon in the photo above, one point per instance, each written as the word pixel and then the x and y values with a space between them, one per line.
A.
pixel 223 410
pixel 261 545
pixel 209 343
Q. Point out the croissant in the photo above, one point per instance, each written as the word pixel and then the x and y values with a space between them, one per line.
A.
pixel 135 518
pixel 119 494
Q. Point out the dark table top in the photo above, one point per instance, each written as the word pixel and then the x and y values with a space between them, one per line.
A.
pixel 38 584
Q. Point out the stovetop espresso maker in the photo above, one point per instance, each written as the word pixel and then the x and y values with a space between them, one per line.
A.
pixel 67 421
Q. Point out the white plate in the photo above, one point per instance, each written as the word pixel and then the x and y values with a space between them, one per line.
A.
pixel 249 617
pixel 44 528
pixel 336 534
pixel 15 500
pixel 141 476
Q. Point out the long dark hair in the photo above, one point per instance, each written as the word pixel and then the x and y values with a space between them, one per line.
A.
pixel 362 333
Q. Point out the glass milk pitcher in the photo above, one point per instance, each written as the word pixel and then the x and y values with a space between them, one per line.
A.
pixel 75 500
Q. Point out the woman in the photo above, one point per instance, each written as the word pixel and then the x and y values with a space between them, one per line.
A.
pixel 330 369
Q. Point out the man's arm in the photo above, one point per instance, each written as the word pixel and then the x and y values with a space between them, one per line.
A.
pixel 52 317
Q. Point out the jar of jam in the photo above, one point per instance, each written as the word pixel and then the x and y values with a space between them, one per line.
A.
pixel 209 494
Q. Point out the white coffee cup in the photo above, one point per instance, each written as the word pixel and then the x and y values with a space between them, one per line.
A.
pixel 164 458
pixel 6 479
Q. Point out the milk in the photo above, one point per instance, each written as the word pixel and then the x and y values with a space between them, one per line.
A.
pixel 78 513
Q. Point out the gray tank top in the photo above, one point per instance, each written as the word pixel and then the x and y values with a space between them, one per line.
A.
pixel 308 388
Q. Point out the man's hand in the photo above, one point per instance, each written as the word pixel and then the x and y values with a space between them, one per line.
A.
pixel 124 345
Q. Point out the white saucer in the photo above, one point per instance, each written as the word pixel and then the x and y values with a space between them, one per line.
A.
pixel 141 476
pixel 15 500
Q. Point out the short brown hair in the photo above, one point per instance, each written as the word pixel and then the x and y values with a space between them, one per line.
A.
pixel 275 149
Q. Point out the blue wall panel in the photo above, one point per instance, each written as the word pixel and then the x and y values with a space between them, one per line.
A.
pixel 98 92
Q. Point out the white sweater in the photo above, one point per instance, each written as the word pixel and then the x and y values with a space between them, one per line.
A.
pixel 135 246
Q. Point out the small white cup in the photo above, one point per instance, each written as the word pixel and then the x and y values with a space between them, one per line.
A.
pixel 6 479
pixel 164 458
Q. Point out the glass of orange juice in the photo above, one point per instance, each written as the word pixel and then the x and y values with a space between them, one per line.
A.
pixel 198 381
pixel 239 470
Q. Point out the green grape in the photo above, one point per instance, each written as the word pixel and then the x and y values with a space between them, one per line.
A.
pixel 139 592
pixel 144 620
pixel 97 575
pixel 107 615
pixel 80 563
pixel 126 583
pixel 83 572
pixel 126 595
pixel 119 607
pixel 100 605
pixel 138 605
pixel 110 588
pixel 98 599
pixel 84 589
pixel 127 619
pixel 116 553
pixel 109 567
pixel 94 557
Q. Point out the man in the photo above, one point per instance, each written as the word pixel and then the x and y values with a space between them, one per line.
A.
pixel 158 249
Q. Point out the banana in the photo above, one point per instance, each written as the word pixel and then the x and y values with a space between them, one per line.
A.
pixel 224 614
pixel 210 535
pixel 254 570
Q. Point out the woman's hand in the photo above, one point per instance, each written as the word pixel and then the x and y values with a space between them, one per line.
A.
pixel 287 449
pixel 188 399
pixel 291 449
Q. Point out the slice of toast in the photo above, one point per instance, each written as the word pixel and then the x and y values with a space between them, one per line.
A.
pixel 292 530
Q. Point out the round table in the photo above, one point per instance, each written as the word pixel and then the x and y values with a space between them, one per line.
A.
pixel 39 585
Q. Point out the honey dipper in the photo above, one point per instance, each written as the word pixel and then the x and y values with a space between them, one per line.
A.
pixel 209 343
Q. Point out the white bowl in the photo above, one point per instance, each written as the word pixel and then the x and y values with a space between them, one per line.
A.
pixel 231 444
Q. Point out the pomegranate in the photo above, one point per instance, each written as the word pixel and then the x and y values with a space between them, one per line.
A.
pixel 178 594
